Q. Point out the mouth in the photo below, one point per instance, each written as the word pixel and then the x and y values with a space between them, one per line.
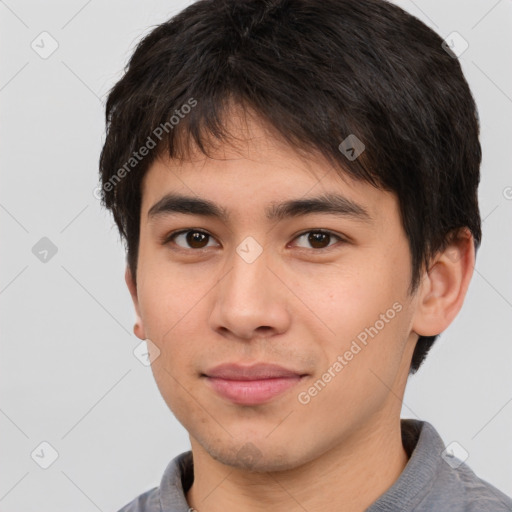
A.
pixel 251 385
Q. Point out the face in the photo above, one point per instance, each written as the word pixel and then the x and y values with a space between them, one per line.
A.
pixel 322 292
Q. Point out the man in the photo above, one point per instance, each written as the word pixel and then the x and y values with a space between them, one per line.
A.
pixel 296 182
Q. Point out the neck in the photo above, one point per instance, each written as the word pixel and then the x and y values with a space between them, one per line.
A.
pixel 349 477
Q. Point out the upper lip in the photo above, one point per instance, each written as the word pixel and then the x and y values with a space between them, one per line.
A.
pixel 252 372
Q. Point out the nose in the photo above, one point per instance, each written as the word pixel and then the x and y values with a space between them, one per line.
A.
pixel 251 300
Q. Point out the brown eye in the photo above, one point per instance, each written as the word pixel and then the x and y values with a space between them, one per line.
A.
pixel 196 239
pixel 193 238
pixel 318 239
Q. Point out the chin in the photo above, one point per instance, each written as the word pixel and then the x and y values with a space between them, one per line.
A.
pixel 254 457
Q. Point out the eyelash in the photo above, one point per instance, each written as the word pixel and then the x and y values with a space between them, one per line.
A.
pixel 171 236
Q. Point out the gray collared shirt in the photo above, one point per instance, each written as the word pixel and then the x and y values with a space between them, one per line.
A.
pixel 428 483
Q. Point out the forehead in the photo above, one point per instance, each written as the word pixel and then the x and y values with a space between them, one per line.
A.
pixel 256 168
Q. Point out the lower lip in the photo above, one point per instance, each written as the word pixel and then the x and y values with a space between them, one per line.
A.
pixel 252 392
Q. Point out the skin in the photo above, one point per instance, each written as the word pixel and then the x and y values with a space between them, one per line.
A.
pixel 296 305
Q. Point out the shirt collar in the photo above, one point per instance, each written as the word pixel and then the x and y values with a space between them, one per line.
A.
pixel 419 438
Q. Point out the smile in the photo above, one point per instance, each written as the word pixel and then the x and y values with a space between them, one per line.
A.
pixel 252 392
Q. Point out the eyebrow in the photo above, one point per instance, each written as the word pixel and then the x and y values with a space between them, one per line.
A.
pixel 335 204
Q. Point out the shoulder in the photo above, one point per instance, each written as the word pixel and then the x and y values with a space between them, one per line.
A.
pixel 461 490
pixel 146 502
pixel 479 495
pixel 170 495
pixel 435 479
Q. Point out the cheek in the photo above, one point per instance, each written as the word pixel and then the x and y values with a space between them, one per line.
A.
pixel 169 303
pixel 346 297
pixel 361 302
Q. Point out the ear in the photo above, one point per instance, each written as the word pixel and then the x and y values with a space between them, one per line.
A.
pixel 138 328
pixel 444 285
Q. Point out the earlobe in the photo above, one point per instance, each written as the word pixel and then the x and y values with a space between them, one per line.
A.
pixel 138 328
pixel 444 286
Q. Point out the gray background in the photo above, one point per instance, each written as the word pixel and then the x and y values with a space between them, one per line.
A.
pixel 68 375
